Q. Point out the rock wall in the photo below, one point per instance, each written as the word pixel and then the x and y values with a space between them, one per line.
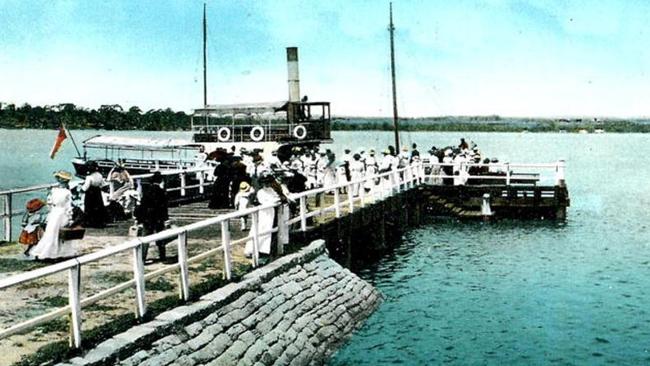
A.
pixel 293 311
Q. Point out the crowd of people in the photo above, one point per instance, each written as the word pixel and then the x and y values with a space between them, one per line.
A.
pixel 51 229
pixel 240 179
pixel 460 162
pixel 306 168
pixel 246 178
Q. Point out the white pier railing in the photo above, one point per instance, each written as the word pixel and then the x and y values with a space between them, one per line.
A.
pixel 389 183
pixel 381 186
pixel 550 174
pixel 9 197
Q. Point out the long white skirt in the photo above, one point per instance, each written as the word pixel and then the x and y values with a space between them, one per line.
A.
pixel 50 246
pixel 265 223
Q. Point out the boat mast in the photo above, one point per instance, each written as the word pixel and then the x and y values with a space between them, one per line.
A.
pixel 205 59
pixel 391 29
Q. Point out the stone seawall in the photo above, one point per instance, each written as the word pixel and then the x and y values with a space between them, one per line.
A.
pixel 294 311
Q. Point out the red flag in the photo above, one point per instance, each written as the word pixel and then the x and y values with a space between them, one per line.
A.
pixel 57 143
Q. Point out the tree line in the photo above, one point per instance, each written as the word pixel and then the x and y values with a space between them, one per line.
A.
pixel 492 124
pixel 106 117
pixel 114 117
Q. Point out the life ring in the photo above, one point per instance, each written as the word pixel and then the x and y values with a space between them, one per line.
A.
pixel 299 132
pixel 223 134
pixel 257 133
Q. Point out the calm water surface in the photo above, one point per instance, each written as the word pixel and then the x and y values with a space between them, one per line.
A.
pixel 509 292
pixel 516 292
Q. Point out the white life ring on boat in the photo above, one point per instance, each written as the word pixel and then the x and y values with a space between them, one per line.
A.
pixel 299 132
pixel 257 133
pixel 223 134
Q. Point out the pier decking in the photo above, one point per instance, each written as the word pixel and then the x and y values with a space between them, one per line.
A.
pixel 205 246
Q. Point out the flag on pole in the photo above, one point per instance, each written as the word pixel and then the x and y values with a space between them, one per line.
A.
pixel 58 141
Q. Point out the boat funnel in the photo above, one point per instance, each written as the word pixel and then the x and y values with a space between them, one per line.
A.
pixel 293 74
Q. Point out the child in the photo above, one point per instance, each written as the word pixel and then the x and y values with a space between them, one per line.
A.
pixel 32 224
pixel 243 200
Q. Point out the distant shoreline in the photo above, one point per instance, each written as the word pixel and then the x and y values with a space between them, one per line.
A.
pixel 114 117
pixel 494 124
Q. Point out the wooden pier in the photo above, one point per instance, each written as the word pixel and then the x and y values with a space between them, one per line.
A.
pixel 206 242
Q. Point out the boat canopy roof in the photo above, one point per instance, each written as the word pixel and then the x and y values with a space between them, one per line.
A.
pixel 137 143
pixel 219 110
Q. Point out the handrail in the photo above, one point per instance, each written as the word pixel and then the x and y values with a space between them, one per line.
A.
pixel 27 189
pixel 558 168
pixel 73 266
pixel 8 213
pixel 389 183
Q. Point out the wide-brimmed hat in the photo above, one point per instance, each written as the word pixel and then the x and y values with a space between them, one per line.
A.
pixel 34 204
pixel 63 175
pixel 244 187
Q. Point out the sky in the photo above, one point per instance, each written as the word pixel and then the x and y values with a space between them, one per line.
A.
pixel 483 57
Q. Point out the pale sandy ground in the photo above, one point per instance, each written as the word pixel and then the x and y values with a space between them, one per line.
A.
pixel 40 296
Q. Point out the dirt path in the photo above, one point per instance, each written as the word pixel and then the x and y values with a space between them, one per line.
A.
pixel 41 296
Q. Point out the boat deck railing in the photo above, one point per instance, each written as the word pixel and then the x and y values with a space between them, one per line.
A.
pixel 265 131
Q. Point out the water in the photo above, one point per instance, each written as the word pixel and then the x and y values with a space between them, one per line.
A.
pixel 519 292
pixel 509 292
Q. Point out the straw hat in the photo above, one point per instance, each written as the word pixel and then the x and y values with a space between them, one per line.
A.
pixel 244 187
pixel 63 175
pixel 34 205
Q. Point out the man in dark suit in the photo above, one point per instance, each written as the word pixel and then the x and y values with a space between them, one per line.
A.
pixel 152 212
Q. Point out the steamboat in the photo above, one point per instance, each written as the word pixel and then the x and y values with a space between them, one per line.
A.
pixel 266 127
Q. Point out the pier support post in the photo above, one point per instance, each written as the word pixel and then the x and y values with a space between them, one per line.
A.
pixel 486 210
pixel 559 173
pixel 184 269
pixel 138 274
pixel 74 300
pixel 255 232
pixel 283 228
pixel 350 198
pixel 7 218
pixel 337 203
pixel 225 242
pixel 303 214
pixel 182 184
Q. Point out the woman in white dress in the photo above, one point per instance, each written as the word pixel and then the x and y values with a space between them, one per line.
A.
pixel 265 196
pixel 60 204
pixel 329 174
